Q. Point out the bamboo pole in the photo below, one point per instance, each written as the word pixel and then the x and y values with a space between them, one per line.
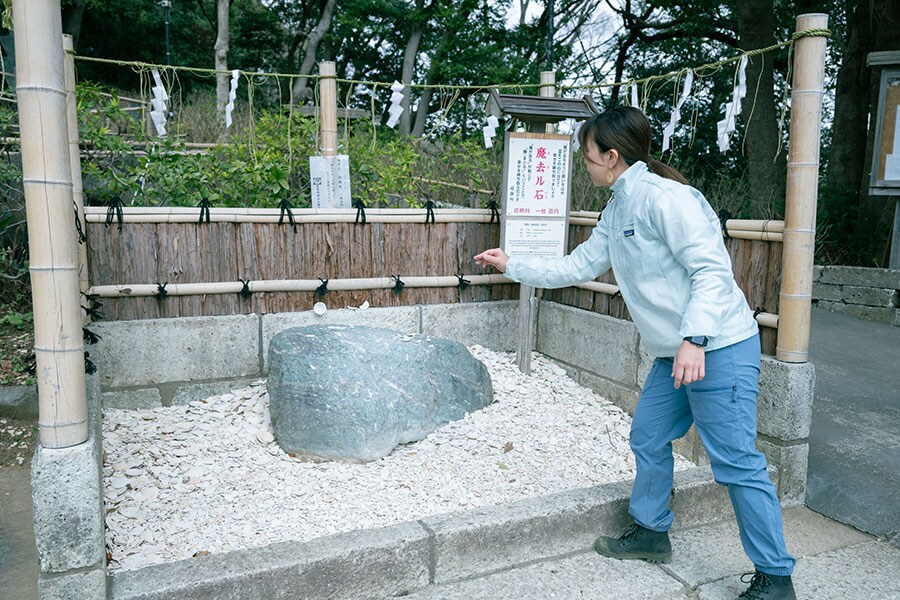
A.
pixel 795 298
pixel 47 180
pixel 75 160
pixel 291 285
pixel 328 104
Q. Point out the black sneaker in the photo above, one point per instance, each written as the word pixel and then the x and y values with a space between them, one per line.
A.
pixel 637 543
pixel 768 587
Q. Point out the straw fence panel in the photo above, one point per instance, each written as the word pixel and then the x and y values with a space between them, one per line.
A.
pixel 227 252
pixel 172 253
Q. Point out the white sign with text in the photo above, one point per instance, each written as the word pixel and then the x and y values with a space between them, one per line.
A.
pixel 329 178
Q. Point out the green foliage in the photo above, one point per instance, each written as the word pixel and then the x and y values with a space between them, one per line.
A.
pixel 20 320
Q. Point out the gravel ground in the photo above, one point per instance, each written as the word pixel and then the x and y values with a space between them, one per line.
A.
pixel 17 442
pixel 208 477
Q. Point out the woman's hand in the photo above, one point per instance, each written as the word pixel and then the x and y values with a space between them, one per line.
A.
pixel 495 257
pixel 689 364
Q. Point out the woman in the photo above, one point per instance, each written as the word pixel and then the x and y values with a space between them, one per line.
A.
pixel 664 244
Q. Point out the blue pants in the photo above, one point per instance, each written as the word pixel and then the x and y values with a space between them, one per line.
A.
pixel 723 407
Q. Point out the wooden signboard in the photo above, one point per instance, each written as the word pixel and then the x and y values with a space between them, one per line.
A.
pixel 886 156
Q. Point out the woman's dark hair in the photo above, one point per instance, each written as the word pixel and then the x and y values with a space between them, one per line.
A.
pixel 626 130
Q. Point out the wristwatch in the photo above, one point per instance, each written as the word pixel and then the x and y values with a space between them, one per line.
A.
pixel 698 340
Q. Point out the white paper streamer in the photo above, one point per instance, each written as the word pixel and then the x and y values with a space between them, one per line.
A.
pixel 490 131
pixel 232 94
pixel 395 109
pixel 676 114
pixel 634 95
pixel 725 127
pixel 158 103
pixel 575 143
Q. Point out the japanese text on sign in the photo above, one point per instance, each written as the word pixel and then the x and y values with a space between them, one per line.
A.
pixel 537 183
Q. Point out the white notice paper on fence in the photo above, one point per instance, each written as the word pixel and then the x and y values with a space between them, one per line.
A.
pixel 545 237
pixel 329 178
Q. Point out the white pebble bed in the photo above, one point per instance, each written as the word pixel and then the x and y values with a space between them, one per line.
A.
pixel 207 477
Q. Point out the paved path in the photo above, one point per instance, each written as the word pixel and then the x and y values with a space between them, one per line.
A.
pixel 18 555
pixel 854 444
pixel 835 562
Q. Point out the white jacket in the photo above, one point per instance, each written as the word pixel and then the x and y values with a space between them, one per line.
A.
pixel 664 243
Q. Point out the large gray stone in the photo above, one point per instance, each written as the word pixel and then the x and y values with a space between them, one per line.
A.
pixel 357 392
pixel 406 319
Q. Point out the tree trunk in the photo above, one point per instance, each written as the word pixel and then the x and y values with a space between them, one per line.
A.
pixel 767 175
pixel 406 75
pixel 312 45
pixel 465 9
pixel 221 51
pixel 871 27
pixel 72 16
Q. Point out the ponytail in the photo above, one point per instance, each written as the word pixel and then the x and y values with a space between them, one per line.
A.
pixel 664 170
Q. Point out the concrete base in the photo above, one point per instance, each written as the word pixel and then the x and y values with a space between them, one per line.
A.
pixel 411 556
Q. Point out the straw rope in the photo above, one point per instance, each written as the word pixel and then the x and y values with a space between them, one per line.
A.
pixel 647 82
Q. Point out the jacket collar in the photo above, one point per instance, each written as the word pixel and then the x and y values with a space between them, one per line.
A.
pixel 626 181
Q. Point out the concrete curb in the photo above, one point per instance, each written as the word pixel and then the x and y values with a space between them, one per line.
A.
pixel 412 556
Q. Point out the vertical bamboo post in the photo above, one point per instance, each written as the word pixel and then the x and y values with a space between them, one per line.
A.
pixel 328 108
pixel 47 179
pixel 548 90
pixel 801 194
pixel 75 160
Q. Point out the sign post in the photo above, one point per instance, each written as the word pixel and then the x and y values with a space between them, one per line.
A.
pixel 537 175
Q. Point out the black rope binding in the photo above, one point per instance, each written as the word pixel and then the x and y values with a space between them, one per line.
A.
pixel 322 290
pixel 285 207
pixel 89 336
pixel 724 215
pixel 494 211
pixel 114 211
pixel 89 367
pixel 245 290
pixel 429 212
pixel 161 292
pixel 463 283
pixel 94 310
pixel 204 205
pixel 759 309
pixel 398 285
pixel 81 237
pixel 360 211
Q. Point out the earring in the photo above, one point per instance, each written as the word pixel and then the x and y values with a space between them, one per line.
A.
pixel 609 176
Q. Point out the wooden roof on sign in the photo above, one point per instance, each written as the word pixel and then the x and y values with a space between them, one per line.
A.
pixel 539 109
